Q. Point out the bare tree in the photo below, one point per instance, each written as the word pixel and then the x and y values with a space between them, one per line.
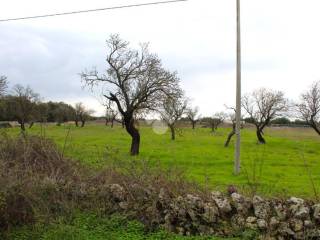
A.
pixel 216 120
pixel 24 105
pixel 82 114
pixel 111 114
pixel 232 118
pixel 3 85
pixel 193 116
pixel 262 106
pixel 135 81
pixel 172 110
pixel 309 106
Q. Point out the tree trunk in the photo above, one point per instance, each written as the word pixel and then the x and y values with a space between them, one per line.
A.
pixel 106 122
pixel 193 124
pixel 135 135
pixel 22 126
pixel 76 123
pixel 83 123
pixel 260 137
pixel 173 133
pixel 31 125
pixel 233 132
pixel 316 128
pixel 112 121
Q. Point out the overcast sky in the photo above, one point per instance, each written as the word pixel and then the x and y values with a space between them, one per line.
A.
pixel 281 45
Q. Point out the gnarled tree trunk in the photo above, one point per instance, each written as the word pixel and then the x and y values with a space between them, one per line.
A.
pixel 134 133
pixel 314 125
pixel 260 137
pixel 233 132
pixel 317 129
pixel 22 125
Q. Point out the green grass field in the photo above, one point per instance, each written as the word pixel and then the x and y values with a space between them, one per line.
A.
pixel 286 165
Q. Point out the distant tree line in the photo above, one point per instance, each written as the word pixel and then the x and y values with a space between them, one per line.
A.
pixel 24 106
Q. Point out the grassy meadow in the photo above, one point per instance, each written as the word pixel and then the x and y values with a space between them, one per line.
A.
pixel 288 164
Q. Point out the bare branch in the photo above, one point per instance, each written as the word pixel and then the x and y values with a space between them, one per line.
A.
pixel 309 106
pixel 262 106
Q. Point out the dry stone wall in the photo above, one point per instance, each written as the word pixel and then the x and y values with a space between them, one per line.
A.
pixel 218 214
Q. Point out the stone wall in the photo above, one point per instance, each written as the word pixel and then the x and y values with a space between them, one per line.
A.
pixel 217 214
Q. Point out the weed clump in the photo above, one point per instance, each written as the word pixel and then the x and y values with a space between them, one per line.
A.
pixel 35 180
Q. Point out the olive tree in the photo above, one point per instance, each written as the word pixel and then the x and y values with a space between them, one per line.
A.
pixel 171 112
pixel 135 81
pixel 193 116
pixel 43 111
pixel 60 112
pixel 262 106
pixel 309 107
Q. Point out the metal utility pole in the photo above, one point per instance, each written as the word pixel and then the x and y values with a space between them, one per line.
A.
pixel 238 96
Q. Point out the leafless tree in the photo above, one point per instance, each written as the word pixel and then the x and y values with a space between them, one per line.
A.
pixel 172 110
pixel 217 119
pixel 135 80
pixel 193 116
pixel 111 114
pixel 24 105
pixel 82 114
pixel 309 106
pixel 3 84
pixel 262 106
pixel 232 118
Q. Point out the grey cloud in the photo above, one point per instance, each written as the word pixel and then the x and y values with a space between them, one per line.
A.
pixel 48 61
